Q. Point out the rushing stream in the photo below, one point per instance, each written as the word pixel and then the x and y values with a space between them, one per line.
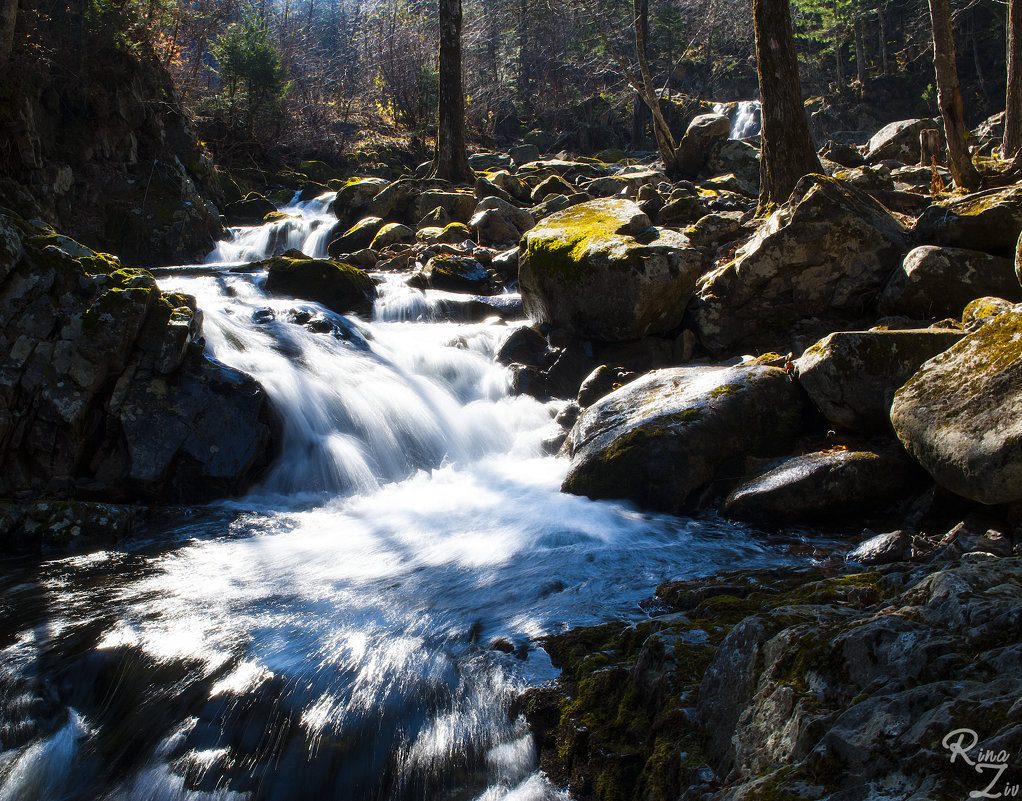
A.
pixel 361 624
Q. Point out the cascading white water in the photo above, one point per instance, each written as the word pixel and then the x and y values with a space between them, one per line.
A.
pixel 331 635
pixel 746 119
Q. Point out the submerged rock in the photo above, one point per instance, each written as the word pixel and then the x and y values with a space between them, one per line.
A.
pixel 852 376
pixel 601 270
pixel 825 255
pixel 960 415
pixel 832 486
pixel 658 439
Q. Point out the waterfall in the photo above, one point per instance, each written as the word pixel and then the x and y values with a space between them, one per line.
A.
pixel 361 624
pixel 745 116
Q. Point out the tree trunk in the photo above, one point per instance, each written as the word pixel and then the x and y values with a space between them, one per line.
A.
pixel 860 52
pixel 708 48
pixel 451 160
pixel 640 111
pixel 8 16
pixel 949 97
pixel 1013 102
pixel 839 65
pixel 661 130
pixel 882 17
pixel 787 148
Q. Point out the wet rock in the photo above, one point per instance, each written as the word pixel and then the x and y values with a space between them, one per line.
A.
pixel 354 196
pixel 522 345
pixel 659 438
pixel 46 525
pixel 852 376
pixel 959 416
pixel 340 287
pixel 898 141
pixel 882 549
pixel 459 274
pixel 938 282
pixel 357 237
pixel 830 486
pixel 87 358
pixel 600 270
pixel 824 255
pixel 989 221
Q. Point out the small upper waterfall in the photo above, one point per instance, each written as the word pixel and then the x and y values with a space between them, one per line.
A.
pixel 746 117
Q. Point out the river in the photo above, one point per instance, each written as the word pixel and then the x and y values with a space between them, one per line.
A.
pixel 360 625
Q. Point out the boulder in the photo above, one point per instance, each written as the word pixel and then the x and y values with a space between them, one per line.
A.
pixel 354 196
pixel 392 234
pixel 601 271
pixel 250 211
pixel 459 205
pixel 981 311
pixel 989 221
pixel 833 486
pixel 602 381
pixel 485 188
pixel 554 185
pixel 897 141
pixel 359 236
pixel 936 282
pixel 511 184
pixel 523 154
pixel 852 376
pixel 340 287
pixel 658 439
pixel 498 224
pixel 882 549
pixel 702 134
pixel 960 415
pixel 624 183
pixel 825 254
pixel 738 158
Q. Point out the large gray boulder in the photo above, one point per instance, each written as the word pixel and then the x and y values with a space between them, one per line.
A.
pixel 989 221
pixel 940 282
pixel 658 439
pixel 852 376
pixel 702 134
pixel 833 486
pixel 825 254
pixel 898 141
pixel 602 271
pixel 498 224
pixel 960 416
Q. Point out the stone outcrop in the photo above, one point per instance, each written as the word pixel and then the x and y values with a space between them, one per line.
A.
pixel 602 271
pixel 104 391
pixel 989 221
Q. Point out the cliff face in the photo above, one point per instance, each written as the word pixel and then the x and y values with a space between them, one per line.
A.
pixel 93 140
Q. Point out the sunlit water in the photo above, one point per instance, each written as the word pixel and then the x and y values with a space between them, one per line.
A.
pixel 332 635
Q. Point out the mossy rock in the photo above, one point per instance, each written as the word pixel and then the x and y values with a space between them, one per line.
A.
pixel 960 415
pixel 852 376
pixel 988 221
pixel 357 237
pixel 338 286
pixel 392 234
pixel 601 271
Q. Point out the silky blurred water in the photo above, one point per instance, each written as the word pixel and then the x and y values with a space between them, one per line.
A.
pixel 332 634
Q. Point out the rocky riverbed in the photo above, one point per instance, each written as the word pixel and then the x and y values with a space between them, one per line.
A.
pixel 847 365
